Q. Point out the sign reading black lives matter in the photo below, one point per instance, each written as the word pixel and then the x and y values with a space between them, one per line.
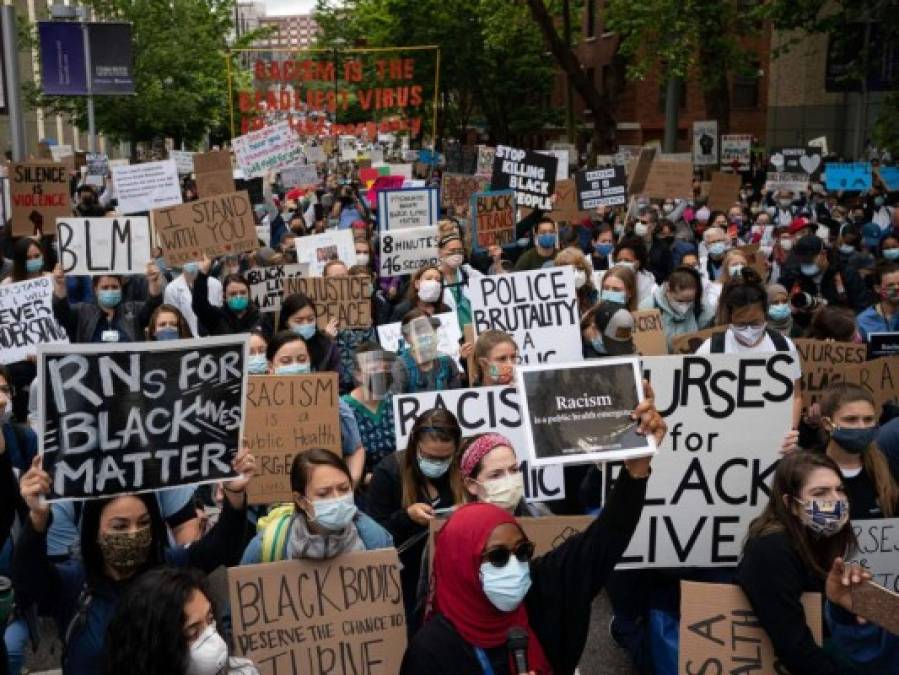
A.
pixel 530 174
pixel 601 187
pixel 140 417
pixel 581 412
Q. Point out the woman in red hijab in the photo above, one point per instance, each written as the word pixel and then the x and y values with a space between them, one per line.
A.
pixel 486 581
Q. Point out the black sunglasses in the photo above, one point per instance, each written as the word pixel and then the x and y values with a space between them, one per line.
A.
pixel 499 557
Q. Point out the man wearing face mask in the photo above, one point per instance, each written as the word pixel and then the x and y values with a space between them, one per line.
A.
pixel 715 241
pixel 784 210
pixel 607 330
pixel 881 214
pixel 545 243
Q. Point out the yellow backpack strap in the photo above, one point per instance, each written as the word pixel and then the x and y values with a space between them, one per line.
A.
pixel 275 528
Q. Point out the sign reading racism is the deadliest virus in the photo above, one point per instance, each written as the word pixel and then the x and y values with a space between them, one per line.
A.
pixel 137 417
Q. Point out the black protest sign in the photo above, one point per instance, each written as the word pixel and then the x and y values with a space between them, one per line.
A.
pixel 883 344
pixel 530 174
pixel 797 160
pixel 139 417
pixel 601 187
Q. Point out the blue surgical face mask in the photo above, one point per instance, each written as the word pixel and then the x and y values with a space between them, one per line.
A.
pixel 294 369
pixel 304 330
pixel 191 268
pixel 506 586
pixel 334 514
pixel 161 264
pixel 809 269
pixel 238 303
pixel 598 345
pixel 717 249
pixel 257 364
pixel 891 253
pixel 109 299
pixel 434 468
pixel 34 265
pixel 603 249
pixel 613 296
pixel 167 333
pixel 779 312
pixel 546 240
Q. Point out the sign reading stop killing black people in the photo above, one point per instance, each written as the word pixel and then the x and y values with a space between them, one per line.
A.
pixel 530 174
pixel 139 417
pixel 582 413
pixel 601 187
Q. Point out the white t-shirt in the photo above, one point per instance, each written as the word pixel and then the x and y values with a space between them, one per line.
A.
pixel 766 346
pixel 179 294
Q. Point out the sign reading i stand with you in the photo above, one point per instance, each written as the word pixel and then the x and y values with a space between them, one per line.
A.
pixel 96 246
pixel 405 251
pixel 601 187
pixel 26 319
pixel 538 309
pixel 530 174
pixel 138 417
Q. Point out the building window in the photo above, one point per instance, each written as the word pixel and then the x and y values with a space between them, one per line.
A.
pixel 681 95
pixel 591 18
pixel 745 91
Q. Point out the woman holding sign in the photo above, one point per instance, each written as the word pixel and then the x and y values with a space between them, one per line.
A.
pixel 239 314
pixel 121 537
pixel 425 293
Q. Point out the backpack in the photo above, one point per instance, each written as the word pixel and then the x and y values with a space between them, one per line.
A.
pixel 780 342
pixel 274 528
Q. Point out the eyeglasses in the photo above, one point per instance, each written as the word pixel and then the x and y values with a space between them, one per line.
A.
pixel 499 557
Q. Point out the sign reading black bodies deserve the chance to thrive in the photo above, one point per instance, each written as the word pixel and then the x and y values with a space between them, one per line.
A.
pixel 530 174
pixel 140 417
pixel 601 187
pixel 581 412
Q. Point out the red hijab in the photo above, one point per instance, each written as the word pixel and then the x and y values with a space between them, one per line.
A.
pixel 458 594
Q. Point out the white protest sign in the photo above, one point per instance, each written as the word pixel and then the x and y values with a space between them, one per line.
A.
pixel 267 284
pixel 96 246
pixel 294 176
pixel 26 319
pixel 878 549
pixel 390 335
pixel 60 152
pixel 481 410
pixel 705 142
pixel 268 149
pixel 315 154
pixel 317 249
pixel 147 186
pixel 97 168
pixel 184 161
pixel 538 309
pixel 348 149
pixel 727 416
pixel 736 151
pixel 404 251
pixel 415 207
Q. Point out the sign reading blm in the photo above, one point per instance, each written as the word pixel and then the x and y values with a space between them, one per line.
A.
pixel 140 417
pixel 530 174
pixel 98 246
pixel 582 413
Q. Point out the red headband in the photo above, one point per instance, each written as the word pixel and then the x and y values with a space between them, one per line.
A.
pixel 475 452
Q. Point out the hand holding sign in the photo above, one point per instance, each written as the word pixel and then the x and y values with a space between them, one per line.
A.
pixel 843 577
pixel 34 487
pixel 650 422
pixel 244 464
pixel 59 282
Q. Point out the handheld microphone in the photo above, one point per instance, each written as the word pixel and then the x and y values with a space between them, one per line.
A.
pixel 517 642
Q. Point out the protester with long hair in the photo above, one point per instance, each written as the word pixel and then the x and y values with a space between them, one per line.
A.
pixel 496 356
pixel 425 293
pixel 238 314
pixel 298 315
pixel 680 304
pixel 167 323
pixel 28 261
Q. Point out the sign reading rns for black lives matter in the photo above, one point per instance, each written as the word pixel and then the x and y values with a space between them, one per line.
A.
pixel 139 417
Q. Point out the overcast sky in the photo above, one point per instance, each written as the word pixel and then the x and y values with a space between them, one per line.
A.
pixel 289 6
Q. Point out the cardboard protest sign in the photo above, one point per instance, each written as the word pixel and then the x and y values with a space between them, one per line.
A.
pixel 267 284
pixel 492 219
pixel 214 173
pixel 317 249
pixel 271 148
pixel 135 417
pixel 668 180
pixel 538 309
pixel 851 176
pixel 582 413
pixel 147 186
pixel 416 207
pixel 725 190
pixel 880 377
pixel 883 344
pixel 484 166
pixel 822 364
pixel 344 299
pixel 285 416
pixel 404 251
pixel 97 168
pixel 688 343
pixel 481 410
pixel 26 319
pixel 878 543
pixel 649 335
pixel 38 194
pixel 877 605
pixel 531 175
pixel 720 633
pixel 736 152
pixel 805 161
pixel 565 209
pixel 601 187
pixel 456 191
pixel 705 143
pixel 390 335
pixel 95 246
pixel 709 482
pixel 341 616
pixel 302 175
pixel 214 226
pixel 184 161
pixel 638 171
pixel 793 182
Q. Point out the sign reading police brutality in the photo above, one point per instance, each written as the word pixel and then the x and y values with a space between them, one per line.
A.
pixel 340 616
pixel 404 251
pixel 344 299
pixel 530 174
pixel 538 309
pixel 601 187
pixel 492 219
pixel 481 410
pixel 38 194
pixel 26 319
pixel 215 226
pixel 582 413
pixel 409 207
pixel 95 246
pixel 709 482
pixel 267 284
pixel 287 415
pixel 137 417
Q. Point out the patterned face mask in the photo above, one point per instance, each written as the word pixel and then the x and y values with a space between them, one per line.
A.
pixel 126 552
pixel 825 517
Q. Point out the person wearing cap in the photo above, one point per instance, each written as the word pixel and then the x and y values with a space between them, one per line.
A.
pixel 421 367
pixel 456 272
pixel 607 330
pixel 680 303
pixel 882 317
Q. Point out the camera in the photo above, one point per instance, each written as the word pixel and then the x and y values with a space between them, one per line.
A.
pixel 805 302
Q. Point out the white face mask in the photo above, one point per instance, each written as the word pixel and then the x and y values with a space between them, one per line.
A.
pixel 505 492
pixel 748 336
pixel 786 244
pixel 362 258
pixel 580 278
pixel 429 290
pixel 640 229
pixel 208 654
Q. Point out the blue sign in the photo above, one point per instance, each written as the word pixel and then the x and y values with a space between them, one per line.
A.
pixel 852 176
pixel 63 70
pixel 428 156
pixel 890 176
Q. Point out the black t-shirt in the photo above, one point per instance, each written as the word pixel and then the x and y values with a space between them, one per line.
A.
pixel 862 496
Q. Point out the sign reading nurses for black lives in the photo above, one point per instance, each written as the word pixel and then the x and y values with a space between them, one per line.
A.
pixel 727 416
pixel 581 412
pixel 140 417
pixel 530 174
